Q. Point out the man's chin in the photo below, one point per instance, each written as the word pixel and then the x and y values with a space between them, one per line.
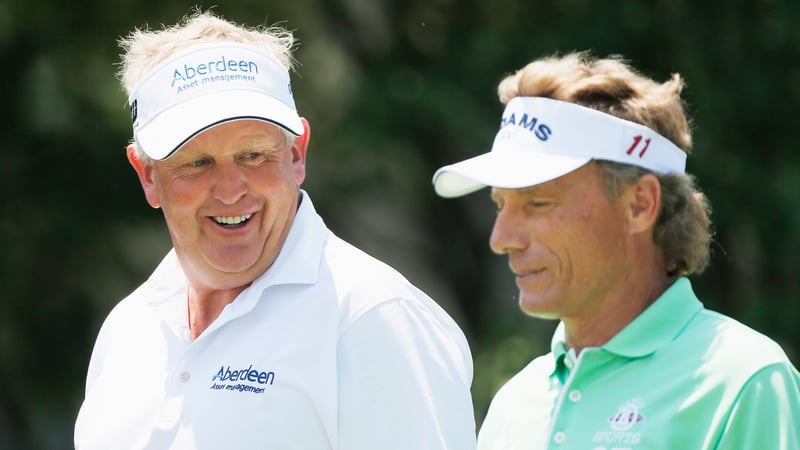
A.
pixel 537 306
pixel 233 273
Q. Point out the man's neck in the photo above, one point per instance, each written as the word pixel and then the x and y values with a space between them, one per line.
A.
pixel 619 308
pixel 206 305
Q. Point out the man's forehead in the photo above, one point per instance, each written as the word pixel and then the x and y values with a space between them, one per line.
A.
pixel 498 193
pixel 236 132
pixel 556 185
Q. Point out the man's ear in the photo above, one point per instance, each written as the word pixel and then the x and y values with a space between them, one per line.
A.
pixel 299 150
pixel 144 169
pixel 644 203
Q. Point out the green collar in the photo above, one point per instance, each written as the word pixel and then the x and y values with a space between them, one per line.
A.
pixel 655 327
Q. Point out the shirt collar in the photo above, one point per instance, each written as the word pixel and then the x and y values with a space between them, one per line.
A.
pixel 299 259
pixel 652 329
pixel 658 324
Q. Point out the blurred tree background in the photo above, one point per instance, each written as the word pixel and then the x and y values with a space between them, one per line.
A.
pixel 393 90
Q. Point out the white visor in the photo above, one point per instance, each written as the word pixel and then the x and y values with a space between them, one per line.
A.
pixel 541 139
pixel 207 85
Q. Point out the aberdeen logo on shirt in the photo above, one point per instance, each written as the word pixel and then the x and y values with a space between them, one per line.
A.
pixel 247 379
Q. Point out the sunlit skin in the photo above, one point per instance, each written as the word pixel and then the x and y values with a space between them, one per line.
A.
pixel 580 258
pixel 233 170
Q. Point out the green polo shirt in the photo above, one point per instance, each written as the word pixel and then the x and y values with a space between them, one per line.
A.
pixel 678 377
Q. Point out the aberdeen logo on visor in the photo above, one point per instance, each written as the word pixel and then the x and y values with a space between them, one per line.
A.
pixel 206 85
pixel 541 139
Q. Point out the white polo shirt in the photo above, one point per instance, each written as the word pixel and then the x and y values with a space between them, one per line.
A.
pixel 330 349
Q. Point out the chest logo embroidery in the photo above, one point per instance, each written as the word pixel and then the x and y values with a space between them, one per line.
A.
pixel 627 415
pixel 621 436
pixel 243 380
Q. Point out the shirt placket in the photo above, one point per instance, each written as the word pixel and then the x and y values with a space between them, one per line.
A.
pixel 569 397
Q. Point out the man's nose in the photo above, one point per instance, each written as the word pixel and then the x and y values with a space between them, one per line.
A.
pixel 230 183
pixel 508 233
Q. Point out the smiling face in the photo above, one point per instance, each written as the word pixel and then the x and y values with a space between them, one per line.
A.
pixel 566 244
pixel 229 197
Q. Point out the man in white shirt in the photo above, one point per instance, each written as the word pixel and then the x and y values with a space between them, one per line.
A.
pixel 260 329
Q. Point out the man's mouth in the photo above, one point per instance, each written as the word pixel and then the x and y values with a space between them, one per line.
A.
pixel 525 273
pixel 232 221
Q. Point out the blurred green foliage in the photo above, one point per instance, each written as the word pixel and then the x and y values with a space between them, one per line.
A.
pixel 393 90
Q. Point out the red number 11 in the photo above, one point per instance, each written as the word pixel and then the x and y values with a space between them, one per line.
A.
pixel 636 140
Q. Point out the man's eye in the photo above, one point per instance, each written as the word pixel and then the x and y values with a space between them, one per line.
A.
pixel 199 163
pixel 251 156
pixel 539 204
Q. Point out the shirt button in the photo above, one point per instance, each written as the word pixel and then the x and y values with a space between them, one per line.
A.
pixel 559 437
pixel 568 362
pixel 575 395
pixel 184 377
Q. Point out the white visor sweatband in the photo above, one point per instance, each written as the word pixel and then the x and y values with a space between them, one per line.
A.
pixel 541 139
pixel 206 85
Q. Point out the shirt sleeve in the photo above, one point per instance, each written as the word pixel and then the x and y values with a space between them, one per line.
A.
pixel 404 381
pixel 766 414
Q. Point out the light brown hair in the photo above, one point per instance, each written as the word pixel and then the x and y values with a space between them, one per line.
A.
pixel 683 230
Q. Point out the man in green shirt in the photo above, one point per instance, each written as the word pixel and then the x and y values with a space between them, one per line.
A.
pixel 602 225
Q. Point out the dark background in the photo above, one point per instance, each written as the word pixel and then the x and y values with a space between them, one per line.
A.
pixel 393 90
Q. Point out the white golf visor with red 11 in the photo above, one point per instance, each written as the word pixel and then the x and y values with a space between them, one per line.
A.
pixel 541 139
pixel 206 85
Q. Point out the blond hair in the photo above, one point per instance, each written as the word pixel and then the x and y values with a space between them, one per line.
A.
pixel 143 49
pixel 683 229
